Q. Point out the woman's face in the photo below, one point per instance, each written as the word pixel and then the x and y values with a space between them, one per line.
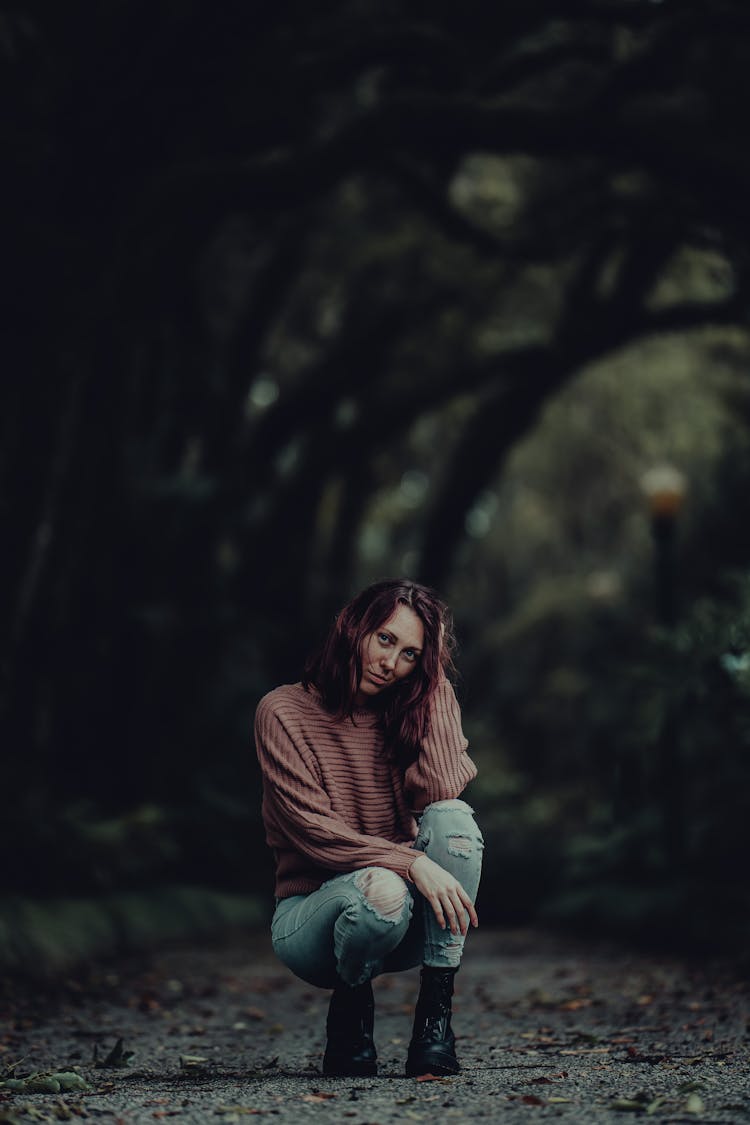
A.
pixel 390 654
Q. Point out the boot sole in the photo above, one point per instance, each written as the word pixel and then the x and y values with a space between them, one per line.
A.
pixel 418 1068
pixel 334 1069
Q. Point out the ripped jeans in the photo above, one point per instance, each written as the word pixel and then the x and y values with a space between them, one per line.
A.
pixel 371 921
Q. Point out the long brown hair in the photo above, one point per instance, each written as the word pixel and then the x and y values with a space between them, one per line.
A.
pixel 336 668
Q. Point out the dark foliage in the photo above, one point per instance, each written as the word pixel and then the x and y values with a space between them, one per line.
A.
pixel 238 272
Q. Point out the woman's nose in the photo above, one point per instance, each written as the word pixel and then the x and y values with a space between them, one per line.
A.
pixel 388 660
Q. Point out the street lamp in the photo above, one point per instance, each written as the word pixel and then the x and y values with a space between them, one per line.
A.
pixel 664 487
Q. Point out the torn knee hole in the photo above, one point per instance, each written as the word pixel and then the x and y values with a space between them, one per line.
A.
pixel 384 893
pixel 459 845
pixel 451 952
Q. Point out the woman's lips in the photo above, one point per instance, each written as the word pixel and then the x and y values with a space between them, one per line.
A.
pixel 378 679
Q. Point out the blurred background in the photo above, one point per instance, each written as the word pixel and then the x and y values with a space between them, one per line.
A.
pixel 303 295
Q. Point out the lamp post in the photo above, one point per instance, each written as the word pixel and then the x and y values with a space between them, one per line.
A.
pixel 665 488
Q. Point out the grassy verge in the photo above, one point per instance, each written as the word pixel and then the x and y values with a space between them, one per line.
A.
pixel 46 937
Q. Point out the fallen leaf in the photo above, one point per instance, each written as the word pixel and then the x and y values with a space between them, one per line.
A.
pixel 116 1057
pixel 587 1051
pixel 271 1062
pixel 239 1110
pixel 147 1002
pixel 694 1104
pixel 190 1062
pixel 531 1099
pixel 263 984
pixel 43 1084
pixel 430 1078
pixel 319 1097
pixel 70 1081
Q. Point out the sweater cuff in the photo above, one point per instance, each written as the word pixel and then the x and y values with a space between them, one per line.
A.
pixel 408 871
pixel 402 857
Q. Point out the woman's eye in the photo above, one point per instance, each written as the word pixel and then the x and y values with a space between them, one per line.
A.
pixel 410 654
pixel 384 638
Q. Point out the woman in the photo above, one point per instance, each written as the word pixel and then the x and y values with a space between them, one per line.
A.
pixel 377 861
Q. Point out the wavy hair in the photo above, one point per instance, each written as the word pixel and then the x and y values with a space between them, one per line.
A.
pixel 336 668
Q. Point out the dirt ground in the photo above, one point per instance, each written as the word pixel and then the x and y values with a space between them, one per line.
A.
pixel 548 1028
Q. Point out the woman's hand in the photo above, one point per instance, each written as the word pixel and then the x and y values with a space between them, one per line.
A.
pixel 446 896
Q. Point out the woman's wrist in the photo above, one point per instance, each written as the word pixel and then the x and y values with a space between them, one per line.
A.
pixel 413 864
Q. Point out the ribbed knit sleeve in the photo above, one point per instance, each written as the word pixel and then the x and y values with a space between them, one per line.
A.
pixel 301 811
pixel 442 769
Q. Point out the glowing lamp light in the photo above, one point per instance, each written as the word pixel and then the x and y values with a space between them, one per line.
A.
pixel 664 488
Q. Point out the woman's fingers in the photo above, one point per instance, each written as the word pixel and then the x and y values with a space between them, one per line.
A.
pixel 461 906
pixel 455 911
pixel 465 906
pixel 449 901
pixel 437 909
pixel 473 917
pixel 456 915
pixel 452 916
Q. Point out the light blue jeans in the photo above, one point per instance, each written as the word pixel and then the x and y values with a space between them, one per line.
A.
pixel 372 921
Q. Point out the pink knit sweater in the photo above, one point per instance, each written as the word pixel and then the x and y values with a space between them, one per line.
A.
pixel 331 800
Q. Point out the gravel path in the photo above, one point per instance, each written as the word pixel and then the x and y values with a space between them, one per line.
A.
pixel 548 1028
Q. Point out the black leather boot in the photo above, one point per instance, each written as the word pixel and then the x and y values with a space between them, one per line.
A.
pixel 432 1049
pixel 350 1051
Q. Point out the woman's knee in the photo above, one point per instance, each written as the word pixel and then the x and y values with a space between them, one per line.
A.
pixel 449 815
pixel 453 823
pixel 373 924
pixel 383 892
